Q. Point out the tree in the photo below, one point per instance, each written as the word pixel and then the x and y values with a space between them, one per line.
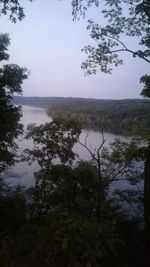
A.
pixel 134 22
pixel 109 39
pixel 53 143
pixel 117 163
pixel 123 18
pixel 146 90
pixel 12 8
pixel 68 196
pixel 11 79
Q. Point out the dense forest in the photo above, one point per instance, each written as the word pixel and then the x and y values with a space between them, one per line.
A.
pixel 130 116
pixel 116 116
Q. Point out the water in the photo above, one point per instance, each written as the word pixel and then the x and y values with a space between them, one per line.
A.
pixel 22 173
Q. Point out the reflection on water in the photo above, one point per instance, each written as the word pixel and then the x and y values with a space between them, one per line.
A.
pixel 93 140
pixel 34 115
pixel 22 173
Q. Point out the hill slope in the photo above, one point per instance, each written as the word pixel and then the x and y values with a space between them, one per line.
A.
pixel 117 116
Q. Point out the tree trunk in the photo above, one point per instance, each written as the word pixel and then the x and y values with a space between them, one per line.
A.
pixel 147 207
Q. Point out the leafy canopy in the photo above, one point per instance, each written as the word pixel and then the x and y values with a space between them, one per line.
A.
pixel 12 8
pixel 122 18
pixel 11 79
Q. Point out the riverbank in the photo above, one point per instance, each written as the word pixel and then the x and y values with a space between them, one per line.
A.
pixel 125 117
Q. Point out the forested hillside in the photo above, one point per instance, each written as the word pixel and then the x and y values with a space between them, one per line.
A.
pixel 36 101
pixel 117 116
pixel 47 102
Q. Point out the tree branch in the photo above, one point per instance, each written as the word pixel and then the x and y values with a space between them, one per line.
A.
pixel 87 150
pixel 116 39
pixel 125 49
pixel 130 51
pixel 120 171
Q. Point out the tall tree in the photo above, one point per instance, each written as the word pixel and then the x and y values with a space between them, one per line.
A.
pixel 53 143
pixel 11 79
pixel 129 18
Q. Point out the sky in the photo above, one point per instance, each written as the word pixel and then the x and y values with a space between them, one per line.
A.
pixel 48 43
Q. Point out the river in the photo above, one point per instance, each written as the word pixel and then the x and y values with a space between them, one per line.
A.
pixel 22 173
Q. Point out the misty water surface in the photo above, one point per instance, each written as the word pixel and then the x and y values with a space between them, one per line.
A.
pixel 22 173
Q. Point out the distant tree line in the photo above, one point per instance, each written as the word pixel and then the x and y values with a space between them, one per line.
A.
pixel 129 116
pixel 116 116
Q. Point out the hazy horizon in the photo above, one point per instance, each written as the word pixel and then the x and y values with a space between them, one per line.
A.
pixel 76 97
pixel 48 43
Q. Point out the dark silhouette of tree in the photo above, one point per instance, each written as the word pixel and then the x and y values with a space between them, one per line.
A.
pixel 123 18
pixel 53 142
pixel 11 79
pixel 146 90
pixel 109 39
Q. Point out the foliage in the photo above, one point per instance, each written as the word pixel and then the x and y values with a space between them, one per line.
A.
pixel 62 241
pixel 53 143
pixel 129 18
pixel 117 163
pixel 56 139
pixel 146 90
pixel 13 208
pixel 55 223
pixel 84 243
pixel 79 7
pixel 129 116
pixel 82 189
pixel 13 8
pixel 65 237
pixel 134 22
pixel 118 116
pixel 11 79
pixel 133 198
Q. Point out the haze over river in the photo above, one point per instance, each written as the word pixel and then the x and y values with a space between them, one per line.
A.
pixel 22 173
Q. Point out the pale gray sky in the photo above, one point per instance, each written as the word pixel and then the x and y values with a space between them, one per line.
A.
pixel 48 42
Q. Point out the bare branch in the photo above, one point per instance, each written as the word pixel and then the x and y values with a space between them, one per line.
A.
pixel 119 172
pixel 103 141
pixel 86 147
pixel 87 134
